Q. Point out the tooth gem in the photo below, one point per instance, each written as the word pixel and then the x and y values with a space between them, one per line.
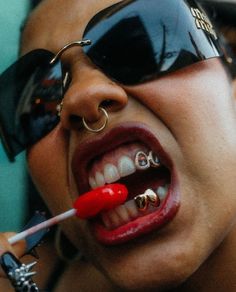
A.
pixel 144 161
pixel 141 160
pixel 152 198
pixel 142 202
pixel 149 197
pixel 154 160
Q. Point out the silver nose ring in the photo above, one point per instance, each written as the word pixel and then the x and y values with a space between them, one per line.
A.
pixel 59 108
pixel 105 121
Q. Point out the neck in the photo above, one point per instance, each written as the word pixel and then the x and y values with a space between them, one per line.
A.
pixel 218 273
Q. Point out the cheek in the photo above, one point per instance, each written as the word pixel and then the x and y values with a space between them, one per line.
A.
pixel 193 93
pixel 47 161
pixel 195 105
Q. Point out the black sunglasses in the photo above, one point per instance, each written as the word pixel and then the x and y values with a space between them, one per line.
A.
pixel 132 41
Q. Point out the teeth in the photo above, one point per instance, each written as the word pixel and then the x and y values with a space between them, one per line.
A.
pixel 123 212
pixel 141 202
pixel 106 220
pixel 92 182
pixel 152 197
pixel 99 179
pixel 148 202
pixel 111 173
pixel 148 198
pixel 125 166
pixel 115 219
pixel 142 161
pixel 154 160
pixel 120 215
pixel 162 192
pixel 130 211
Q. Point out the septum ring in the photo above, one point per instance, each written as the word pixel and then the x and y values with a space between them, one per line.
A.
pixel 106 117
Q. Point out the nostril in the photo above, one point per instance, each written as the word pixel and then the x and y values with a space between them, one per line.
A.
pixel 107 103
pixel 111 105
pixel 75 120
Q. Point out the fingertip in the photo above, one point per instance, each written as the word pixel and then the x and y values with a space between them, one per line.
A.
pixel 4 244
pixel 18 248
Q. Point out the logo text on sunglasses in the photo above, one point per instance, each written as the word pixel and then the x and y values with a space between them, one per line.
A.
pixel 203 22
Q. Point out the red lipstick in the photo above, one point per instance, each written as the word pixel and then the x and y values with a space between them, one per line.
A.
pixel 112 139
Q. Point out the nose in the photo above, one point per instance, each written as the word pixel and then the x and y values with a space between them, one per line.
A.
pixel 90 90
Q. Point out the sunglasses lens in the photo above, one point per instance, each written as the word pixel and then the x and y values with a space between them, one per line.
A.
pixel 29 93
pixel 126 57
pixel 135 41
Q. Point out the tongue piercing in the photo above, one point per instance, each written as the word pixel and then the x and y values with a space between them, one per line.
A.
pixel 141 161
pixel 149 197
pixel 154 160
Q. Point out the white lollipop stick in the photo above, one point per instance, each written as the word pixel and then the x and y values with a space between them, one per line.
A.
pixel 42 225
pixel 86 206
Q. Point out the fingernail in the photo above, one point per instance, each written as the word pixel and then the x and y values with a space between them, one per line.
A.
pixel 8 262
pixel 20 275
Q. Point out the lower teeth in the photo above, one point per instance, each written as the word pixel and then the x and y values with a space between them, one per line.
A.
pixel 162 191
pixel 148 198
pixel 132 209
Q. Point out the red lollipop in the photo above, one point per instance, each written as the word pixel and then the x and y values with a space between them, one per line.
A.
pixel 100 199
pixel 86 206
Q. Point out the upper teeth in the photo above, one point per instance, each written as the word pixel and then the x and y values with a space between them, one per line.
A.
pixel 144 161
pixel 125 166
pixel 105 171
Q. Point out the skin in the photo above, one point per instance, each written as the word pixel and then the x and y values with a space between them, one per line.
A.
pixel 192 113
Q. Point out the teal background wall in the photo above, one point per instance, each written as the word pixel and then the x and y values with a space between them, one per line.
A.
pixel 13 176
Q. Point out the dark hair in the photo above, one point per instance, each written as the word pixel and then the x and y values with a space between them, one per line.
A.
pixel 223 14
pixel 35 3
pixel 223 10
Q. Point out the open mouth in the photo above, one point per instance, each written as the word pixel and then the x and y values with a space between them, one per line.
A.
pixel 138 161
pixel 129 165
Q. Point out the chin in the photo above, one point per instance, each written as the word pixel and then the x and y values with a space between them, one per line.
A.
pixel 160 261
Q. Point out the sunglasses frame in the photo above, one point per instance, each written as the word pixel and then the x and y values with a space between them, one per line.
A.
pixel 56 58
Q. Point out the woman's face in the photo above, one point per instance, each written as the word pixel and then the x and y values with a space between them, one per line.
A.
pixel 187 118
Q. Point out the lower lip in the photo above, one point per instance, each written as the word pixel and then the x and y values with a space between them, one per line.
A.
pixel 142 225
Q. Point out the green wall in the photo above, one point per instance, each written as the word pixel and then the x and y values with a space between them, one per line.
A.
pixel 13 178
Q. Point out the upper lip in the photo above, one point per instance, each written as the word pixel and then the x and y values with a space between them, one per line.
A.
pixel 98 145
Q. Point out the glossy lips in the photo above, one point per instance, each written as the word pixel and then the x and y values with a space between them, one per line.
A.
pixel 93 150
